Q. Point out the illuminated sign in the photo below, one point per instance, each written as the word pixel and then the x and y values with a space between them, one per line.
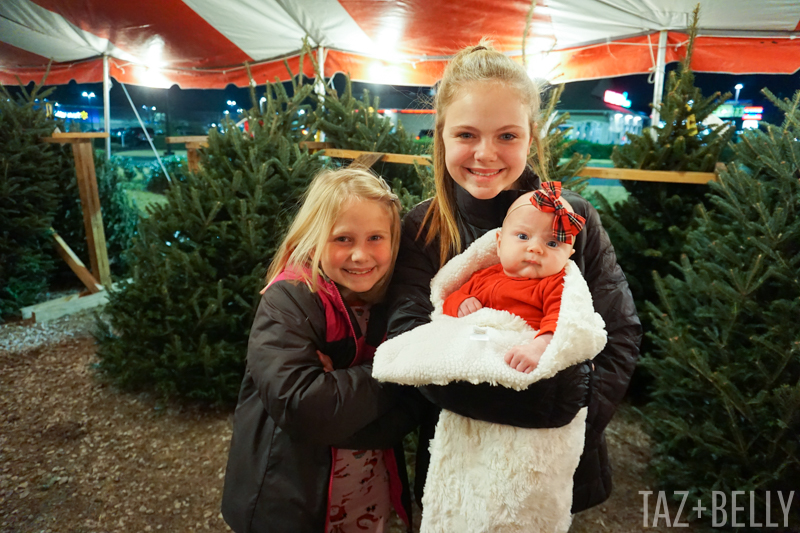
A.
pixel 611 97
pixel 728 111
pixel 752 112
pixel 74 115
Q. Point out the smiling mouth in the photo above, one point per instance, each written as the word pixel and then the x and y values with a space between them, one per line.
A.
pixel 359 272
pixel 485 173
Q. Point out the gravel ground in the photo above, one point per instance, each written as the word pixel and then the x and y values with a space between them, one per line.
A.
pixel 78 456
pixel 24 336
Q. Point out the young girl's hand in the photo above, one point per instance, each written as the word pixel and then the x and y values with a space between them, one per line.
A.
pixel 327 364
pixel 525 358
pixel 469 306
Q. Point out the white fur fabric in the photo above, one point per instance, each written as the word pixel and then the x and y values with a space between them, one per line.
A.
pixel 486 477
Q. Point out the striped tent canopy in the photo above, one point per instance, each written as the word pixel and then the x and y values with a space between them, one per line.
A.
pixel 211 43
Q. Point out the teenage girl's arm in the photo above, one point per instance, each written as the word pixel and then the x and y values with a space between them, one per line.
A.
pixel 553 402
pixel 548 403
pixel 389 429
pixel 303 399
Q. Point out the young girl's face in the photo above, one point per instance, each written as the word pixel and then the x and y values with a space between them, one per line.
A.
pixel 486 138
pixel 358 253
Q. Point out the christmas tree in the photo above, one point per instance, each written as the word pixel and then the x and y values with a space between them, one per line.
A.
pixel 199 261
pixel 556 142
pixel 649 229
pixel 29 187
pixel 354 124
pixel 725 409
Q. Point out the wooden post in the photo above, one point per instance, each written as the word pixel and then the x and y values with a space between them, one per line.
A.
pixel 192 143
pixel 92 216
pixel 90 200
pixel 192 157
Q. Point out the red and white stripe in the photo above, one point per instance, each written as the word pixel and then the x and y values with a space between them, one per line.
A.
pixel 206 43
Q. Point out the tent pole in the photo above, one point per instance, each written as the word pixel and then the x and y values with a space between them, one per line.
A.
pixel 107 105
pixel 320 86
pixel 658 85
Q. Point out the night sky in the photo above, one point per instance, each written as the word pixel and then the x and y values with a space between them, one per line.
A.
pixel 577 95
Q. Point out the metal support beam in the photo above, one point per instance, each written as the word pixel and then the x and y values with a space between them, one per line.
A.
pixel 107 105
pixel 658 84
pixel 319 87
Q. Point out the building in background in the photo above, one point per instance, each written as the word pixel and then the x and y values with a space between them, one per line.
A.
pixel 604 114
pixel 417 122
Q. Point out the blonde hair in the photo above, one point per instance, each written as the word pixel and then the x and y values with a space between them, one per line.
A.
pixel 473 64
pixel 329 193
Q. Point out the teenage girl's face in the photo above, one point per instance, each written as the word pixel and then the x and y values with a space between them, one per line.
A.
pixel 486 138
pixel 359 249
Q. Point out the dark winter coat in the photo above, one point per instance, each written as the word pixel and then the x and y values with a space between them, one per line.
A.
pixel 548 403
pixel 291 413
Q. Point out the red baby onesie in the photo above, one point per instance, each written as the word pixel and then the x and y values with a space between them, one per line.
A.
pixel 537 301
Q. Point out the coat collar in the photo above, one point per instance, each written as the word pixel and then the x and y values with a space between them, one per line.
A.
pixel 489 214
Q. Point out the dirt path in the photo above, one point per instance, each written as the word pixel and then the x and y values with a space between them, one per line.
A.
pixel 78 457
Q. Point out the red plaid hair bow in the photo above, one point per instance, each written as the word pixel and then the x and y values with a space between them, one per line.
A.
pixel 566 225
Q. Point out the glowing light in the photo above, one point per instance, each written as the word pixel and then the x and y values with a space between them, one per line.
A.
pixel 541 66
pixel 615 98
pixel 387 74
pixel 152 77
pixel 749 124
pixel 389 35
pixel 154 52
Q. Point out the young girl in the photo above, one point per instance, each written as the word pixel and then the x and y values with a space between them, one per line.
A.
pixel 486 122
pixel 313 431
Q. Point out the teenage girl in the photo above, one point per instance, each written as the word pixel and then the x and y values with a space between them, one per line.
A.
pixel 487 110
pixel 313 432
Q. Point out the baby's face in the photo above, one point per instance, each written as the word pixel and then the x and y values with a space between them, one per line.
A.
pixel 526 246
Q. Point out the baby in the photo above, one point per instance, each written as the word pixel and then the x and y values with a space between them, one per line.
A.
pixel 534 244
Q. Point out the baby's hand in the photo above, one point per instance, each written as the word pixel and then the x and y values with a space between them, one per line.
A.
pixel 469 306
pixel 525 358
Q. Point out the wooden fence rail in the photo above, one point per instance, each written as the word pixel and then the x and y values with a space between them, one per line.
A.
pixel 193 143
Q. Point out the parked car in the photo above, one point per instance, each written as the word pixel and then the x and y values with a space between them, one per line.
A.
pixel 131 137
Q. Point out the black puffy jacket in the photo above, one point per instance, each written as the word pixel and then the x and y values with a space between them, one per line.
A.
pixel 291 413
pixel 548 403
